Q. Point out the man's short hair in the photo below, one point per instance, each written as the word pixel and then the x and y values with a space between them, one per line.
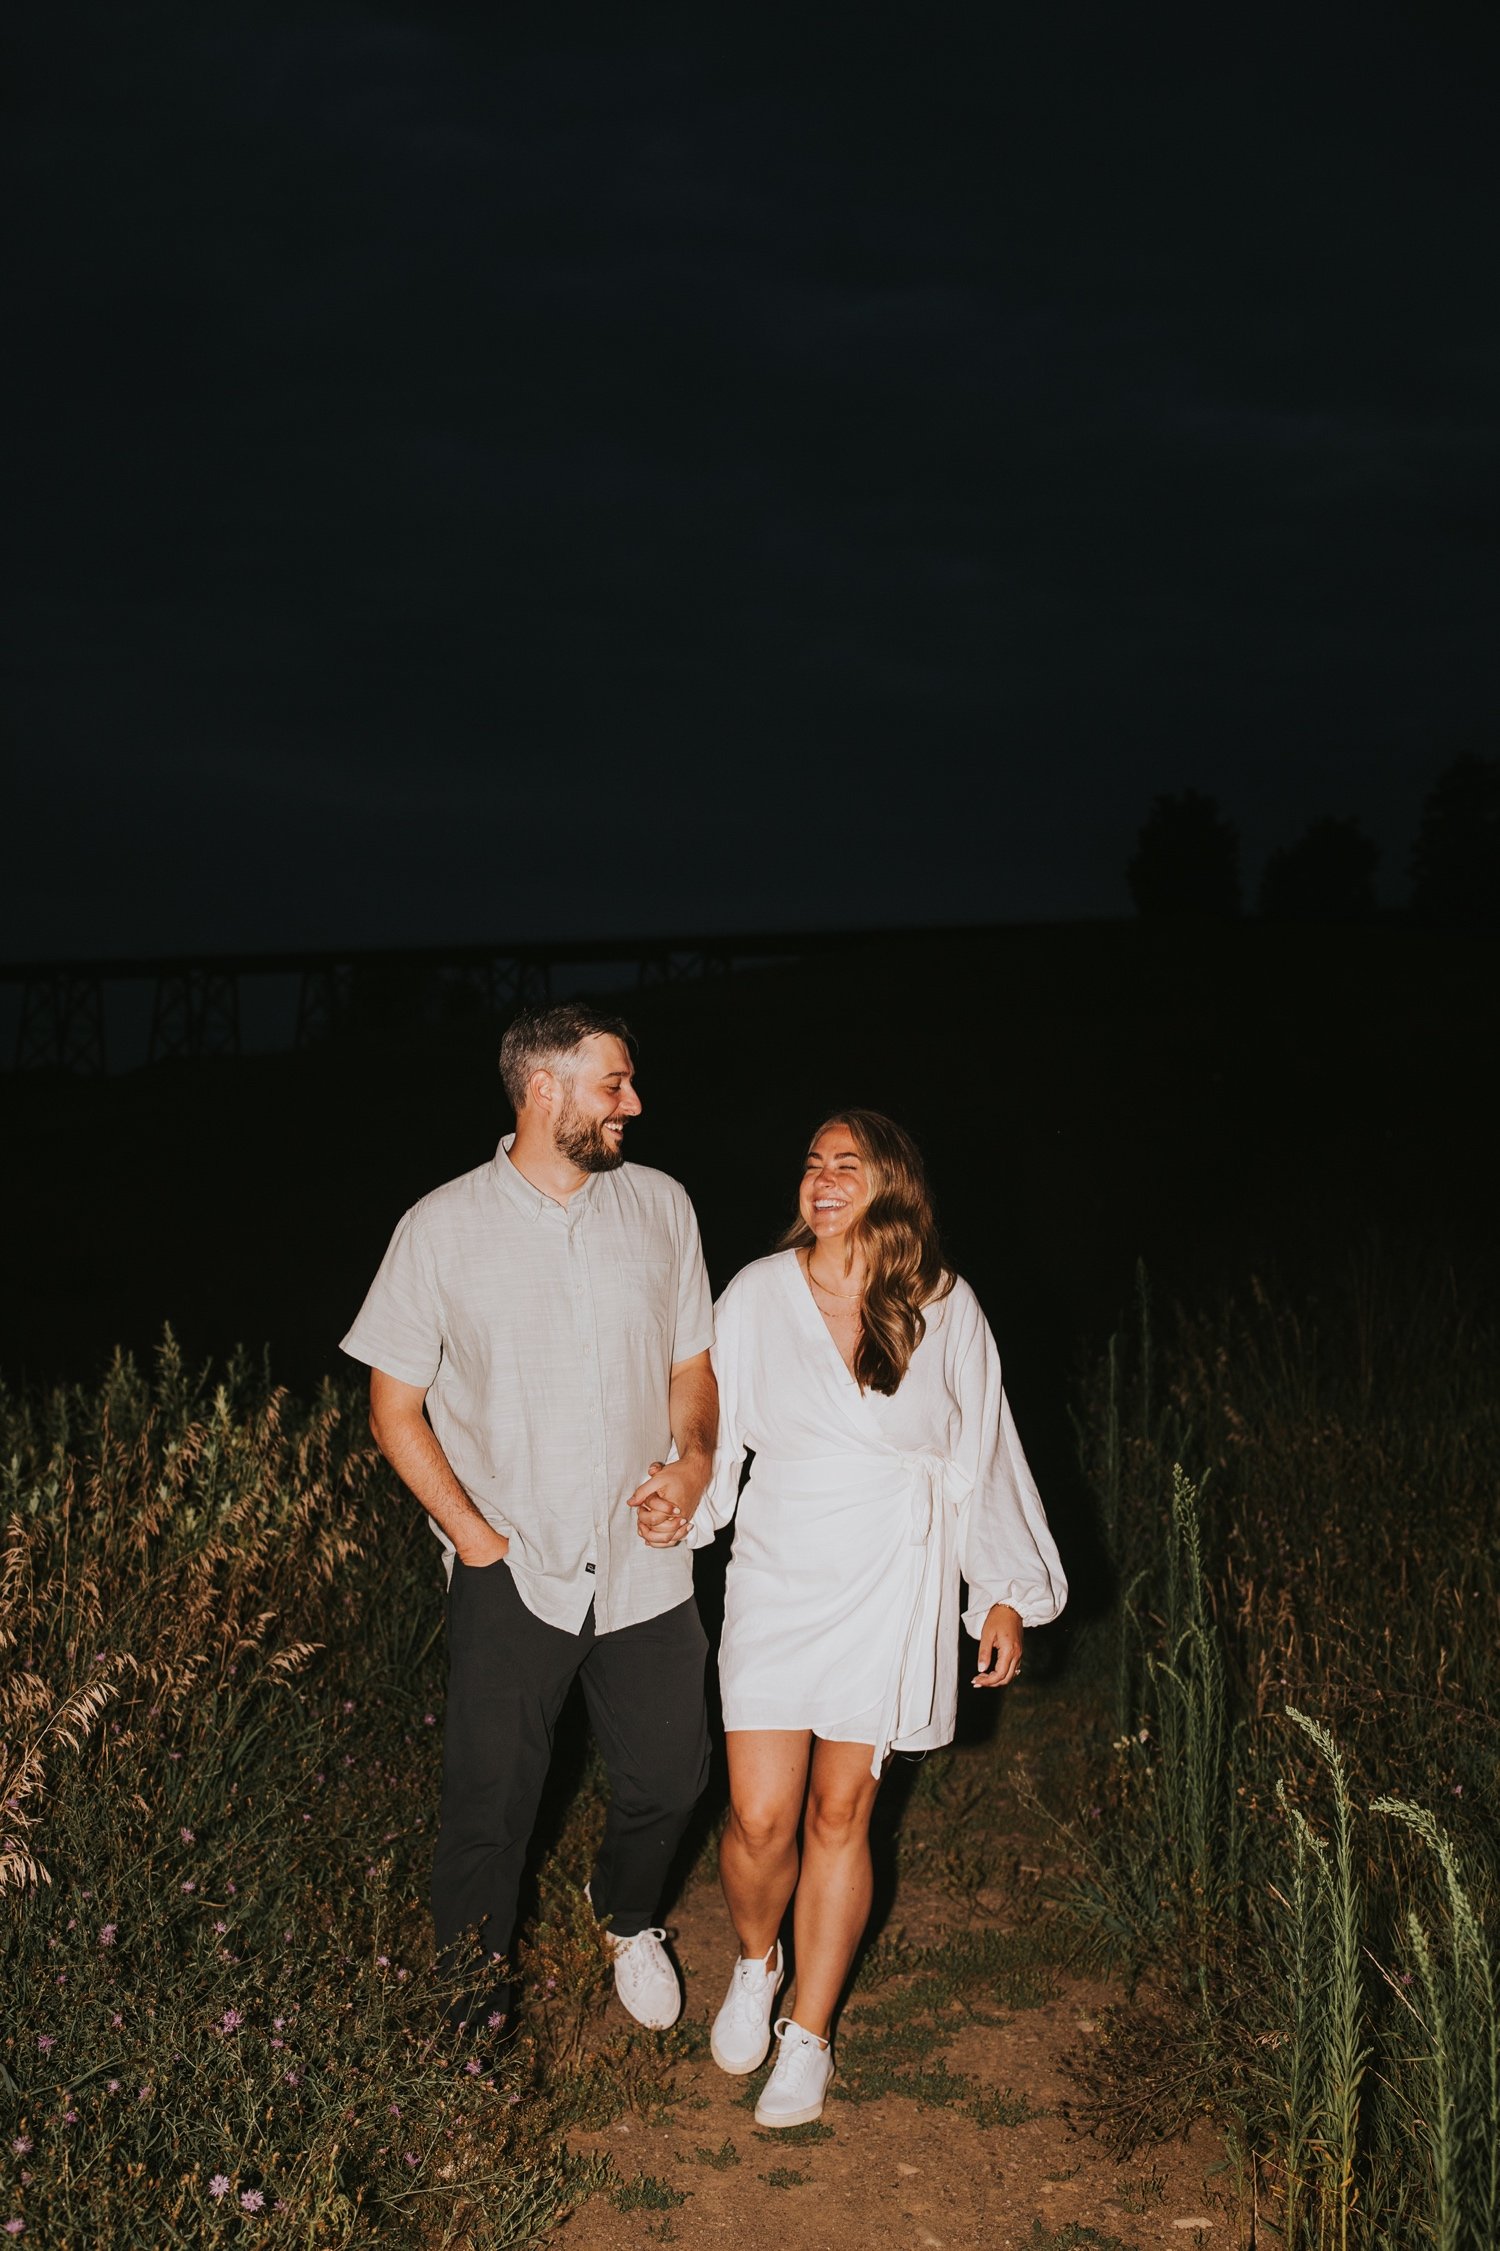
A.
pixel 542 1039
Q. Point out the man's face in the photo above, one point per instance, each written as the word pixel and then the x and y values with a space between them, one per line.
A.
pixel 598 1098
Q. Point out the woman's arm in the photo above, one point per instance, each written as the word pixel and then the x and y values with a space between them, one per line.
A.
pixel 1006 1551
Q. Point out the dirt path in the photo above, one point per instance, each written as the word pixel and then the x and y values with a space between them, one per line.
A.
pixel 946 2127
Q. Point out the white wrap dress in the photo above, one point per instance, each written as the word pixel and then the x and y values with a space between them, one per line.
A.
pixel 860 1516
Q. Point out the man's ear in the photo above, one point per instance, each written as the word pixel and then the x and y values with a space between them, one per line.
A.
pixel 541 1091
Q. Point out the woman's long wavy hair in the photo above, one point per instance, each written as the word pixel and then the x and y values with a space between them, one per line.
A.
pixel 904 1268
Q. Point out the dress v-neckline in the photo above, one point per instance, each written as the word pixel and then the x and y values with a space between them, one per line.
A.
pixel 800 1285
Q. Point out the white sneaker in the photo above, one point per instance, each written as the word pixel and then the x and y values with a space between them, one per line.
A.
pixel 645 1979
pixel 742 2028
pixel 793 2095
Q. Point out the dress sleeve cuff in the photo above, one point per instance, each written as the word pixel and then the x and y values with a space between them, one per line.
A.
pixel 1034 1607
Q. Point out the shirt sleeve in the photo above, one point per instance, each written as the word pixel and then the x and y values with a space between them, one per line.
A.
pixel 718 1503
pixel 693 1331
pixel 399 1328
pixel 1005 1550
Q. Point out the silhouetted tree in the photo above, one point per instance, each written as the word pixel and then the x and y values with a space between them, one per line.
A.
pixel 1326 876
pixel 1455 863
pixel 1186 860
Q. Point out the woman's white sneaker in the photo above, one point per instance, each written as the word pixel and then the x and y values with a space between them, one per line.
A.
pixel 742 2028
pixel 793 2095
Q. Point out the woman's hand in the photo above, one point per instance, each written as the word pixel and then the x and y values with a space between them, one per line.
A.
pixel 664 1503
pixel 999 1647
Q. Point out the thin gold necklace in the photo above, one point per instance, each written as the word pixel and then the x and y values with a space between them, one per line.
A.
pixel 840 1297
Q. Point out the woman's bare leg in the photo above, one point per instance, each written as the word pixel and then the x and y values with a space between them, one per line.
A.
pixel 758 1850
pixel 836 1884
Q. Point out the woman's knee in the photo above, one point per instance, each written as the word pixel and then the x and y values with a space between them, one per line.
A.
pixel 838 1818
pixel 762 1827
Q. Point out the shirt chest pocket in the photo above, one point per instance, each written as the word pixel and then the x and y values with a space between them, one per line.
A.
pixel 642 1297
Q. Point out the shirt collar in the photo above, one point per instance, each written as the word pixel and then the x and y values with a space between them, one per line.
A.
pixel 518 1190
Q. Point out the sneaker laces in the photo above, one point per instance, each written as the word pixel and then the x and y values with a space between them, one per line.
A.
pixel 748 1989
pixel 634 1962
pixel 794 2052
pixel 623 1945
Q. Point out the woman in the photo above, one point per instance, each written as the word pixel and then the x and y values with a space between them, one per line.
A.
pixel 861 1375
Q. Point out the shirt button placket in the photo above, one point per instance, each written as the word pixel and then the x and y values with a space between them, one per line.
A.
pixel 583 1317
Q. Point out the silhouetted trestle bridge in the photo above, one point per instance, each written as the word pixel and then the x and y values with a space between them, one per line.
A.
pixel 195 999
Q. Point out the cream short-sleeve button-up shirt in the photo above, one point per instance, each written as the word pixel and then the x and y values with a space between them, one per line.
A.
pixel 544 1335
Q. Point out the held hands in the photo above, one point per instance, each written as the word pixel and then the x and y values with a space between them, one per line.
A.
pixel 665 1501
pixel 999 1647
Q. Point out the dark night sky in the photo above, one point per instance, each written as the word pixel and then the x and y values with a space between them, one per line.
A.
pixel 486 470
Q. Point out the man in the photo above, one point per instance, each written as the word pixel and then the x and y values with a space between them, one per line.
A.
pixel 537 1337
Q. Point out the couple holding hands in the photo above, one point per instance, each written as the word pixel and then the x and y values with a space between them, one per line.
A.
pixel 539 1332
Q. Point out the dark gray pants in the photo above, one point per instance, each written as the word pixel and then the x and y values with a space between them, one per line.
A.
pixel 508 1673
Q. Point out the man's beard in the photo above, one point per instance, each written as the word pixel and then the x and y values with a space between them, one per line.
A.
pixel 581 1140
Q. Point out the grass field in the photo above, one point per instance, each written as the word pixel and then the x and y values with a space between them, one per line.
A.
pixel 222 1702
pixel 1297 1823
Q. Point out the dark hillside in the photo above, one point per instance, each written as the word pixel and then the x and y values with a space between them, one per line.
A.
pixel 1228 1099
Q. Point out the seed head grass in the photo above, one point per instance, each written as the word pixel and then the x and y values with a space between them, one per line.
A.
pixel 1298 1835
pixel 221 1712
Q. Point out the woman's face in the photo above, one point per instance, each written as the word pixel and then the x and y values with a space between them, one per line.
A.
pixel 836 1189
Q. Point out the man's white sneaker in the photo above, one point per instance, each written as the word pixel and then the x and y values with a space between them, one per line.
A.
pixel 742 2028
pixel 793 2095
pixel 645 1979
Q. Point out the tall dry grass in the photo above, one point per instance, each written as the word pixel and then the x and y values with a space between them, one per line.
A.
pixel 1301 1841
pixel 220 1705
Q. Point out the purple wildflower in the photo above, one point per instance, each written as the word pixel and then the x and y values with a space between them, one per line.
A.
pixel 221 1927
pixel 187 1836
pixel 22 2145
pixel 472 2067
pixel 46 2041
pixel 111 2086
pixel 70 2118
pixel 15 2227
pixel 190 1885
pixel 219 2186
pixel 251 2200
pixel 429 1719
pixel 107 1934
pixel 230 2021
pixel 290 2077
